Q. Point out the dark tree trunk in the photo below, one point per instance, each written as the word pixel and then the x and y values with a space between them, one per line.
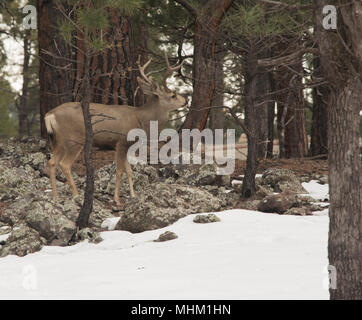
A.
pixel 24 92
pixel 263 106
pixel 254 95
pixel 87 207
pixel 343 69
pixel 291 113
pixel 204 64
pixel 55 69
pixel 217 116
pixel 271 117
pixel 319 138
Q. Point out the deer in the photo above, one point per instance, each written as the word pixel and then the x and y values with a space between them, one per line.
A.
pixel 110 123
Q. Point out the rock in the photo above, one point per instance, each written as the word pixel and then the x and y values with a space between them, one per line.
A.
pixel 206 218
pixel 281 180
pixel 277 203
pixel 298 212
pixel 249 204
pixel 50 223
pixel 162 204
pixel 263 191
pixel 89 234
pixel 166 236
pixel 22 241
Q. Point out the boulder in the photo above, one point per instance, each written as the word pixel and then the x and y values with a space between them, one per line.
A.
pixel 277 203
pixel 49 221
pixel 166 236
pixel 22 241
pixel 281 180
pixel 162 204
pixel 208 218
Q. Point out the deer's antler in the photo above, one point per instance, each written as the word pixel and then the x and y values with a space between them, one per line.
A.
pixel 170 70
pixel 143 69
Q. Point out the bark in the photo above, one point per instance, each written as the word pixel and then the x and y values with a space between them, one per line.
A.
pixel 257 88
pixel 24 92
pixel 291 113
pixel 263 89
pixel 319 134
pixel 87 207
pixel 204 64
pixel 271 117
pixel 55 71
pixel 216 116
pixel 342 65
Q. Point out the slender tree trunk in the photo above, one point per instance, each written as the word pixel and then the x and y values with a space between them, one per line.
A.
pixel 204 65
pixel 291 116
pixel 87 207
pixel 217 116
pixel 319 138
pixel 343 69
pixel 24 93
pixel 271 117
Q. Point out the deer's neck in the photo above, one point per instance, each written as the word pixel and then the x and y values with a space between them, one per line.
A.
pixel 151 111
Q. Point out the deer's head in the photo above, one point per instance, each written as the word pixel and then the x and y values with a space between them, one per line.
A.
pixel 167 99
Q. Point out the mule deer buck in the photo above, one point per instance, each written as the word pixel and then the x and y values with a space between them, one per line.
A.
pixel 110 123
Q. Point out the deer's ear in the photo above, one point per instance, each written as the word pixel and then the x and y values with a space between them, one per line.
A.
pixel 147 88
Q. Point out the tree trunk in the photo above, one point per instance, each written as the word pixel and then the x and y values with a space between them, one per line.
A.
pixel 87 207
pixel 345 225
pixel 343 69
pixel 319 137
pixel 291 115
pixel 271 117
pixel 252 119
pixel 24 93
pixel 217 116
pixel 263 107
pixel 204 64
pixel 55 69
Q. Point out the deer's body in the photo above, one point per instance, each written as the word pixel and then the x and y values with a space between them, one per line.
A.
pixel 111 124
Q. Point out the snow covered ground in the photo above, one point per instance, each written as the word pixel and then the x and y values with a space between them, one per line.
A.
pixel 248 255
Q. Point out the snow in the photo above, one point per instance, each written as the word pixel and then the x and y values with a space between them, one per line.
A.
pixel 110 223
pixel 4 237
pixel 316 190
pixel 248 255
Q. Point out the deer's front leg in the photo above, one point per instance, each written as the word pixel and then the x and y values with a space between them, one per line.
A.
pixel 129 176
pixel 119 171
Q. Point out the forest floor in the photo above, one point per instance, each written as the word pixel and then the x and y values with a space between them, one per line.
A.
pixel 300 167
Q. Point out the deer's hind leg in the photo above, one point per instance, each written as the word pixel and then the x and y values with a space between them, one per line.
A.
pixel 122 165
pixel 66 162
pixel 53 163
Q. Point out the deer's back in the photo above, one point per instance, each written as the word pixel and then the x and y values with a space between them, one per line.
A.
pixel 110 123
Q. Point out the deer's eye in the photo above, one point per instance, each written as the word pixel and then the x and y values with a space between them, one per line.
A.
pixel 173 96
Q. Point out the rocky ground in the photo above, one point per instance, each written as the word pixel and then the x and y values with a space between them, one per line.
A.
pixel 164 194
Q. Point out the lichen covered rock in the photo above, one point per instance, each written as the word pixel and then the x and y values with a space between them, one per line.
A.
pixel 22 241
pixel 208 218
